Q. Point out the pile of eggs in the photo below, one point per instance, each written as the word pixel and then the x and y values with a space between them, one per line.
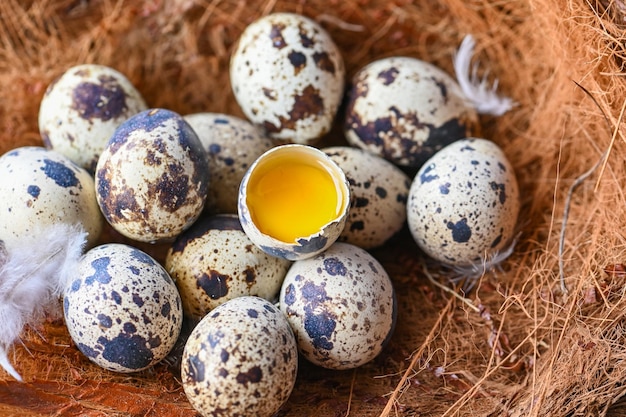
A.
pixel 269 236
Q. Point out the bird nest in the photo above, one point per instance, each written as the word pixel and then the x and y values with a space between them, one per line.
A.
pixel 541 335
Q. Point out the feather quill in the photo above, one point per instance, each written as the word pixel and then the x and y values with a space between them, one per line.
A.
pixel 484 97
pixel 34 270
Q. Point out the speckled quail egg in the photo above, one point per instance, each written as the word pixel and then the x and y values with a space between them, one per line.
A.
pixel 464 203
pixel 122 309
pixel 405 110
pixel 379 191
pixel 240 360
pixel 293 201
pixel 41 187
pixel 152 178
pixel 214 261
pixel 232 145
pixel 341 306
pixel 288 76
pixel 82 108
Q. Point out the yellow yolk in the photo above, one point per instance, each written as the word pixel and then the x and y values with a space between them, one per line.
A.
pixel 292 196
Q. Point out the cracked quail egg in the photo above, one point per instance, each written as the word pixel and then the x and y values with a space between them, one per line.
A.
pixel 341 306
pixel 152 178
pixel 214 261
pixel 288 76
pixel 293 201
pixel 232 145
pixel 122 309
pixel 405 110
pixel 82 108
pixel 379 191
pixel 464 203
pixel 240 360
pixel 41 187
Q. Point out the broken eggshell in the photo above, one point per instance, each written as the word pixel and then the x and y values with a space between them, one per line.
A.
pixel 293 201
pixel 405 110
pixel 82 108
pixel 464 203
pixel 152 178
pixel 288 77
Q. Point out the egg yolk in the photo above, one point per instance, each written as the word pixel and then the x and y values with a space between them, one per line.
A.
pixel 293 195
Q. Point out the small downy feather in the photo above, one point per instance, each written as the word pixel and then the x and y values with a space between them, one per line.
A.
pixel 471 273
pixel 484 97
pixel 33 274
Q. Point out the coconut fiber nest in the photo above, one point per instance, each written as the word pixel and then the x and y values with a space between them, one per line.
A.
pixel 543 335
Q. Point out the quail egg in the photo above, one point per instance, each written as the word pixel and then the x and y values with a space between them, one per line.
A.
pixel 288 76
pixel 405 110
pixel 379 191
pixel 232 145
pixel 82 108
pixel 41 187
pixel 214 261
pixel 152 178
pixel 341 306
pixel 122 309
pixel 464 203
pixel 240 360
pixel 293 201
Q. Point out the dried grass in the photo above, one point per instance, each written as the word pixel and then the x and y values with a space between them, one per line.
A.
pixel 517 344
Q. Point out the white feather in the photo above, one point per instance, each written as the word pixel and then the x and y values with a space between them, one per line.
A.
pixel 33 272
pixel 470 274
pixel 484 97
